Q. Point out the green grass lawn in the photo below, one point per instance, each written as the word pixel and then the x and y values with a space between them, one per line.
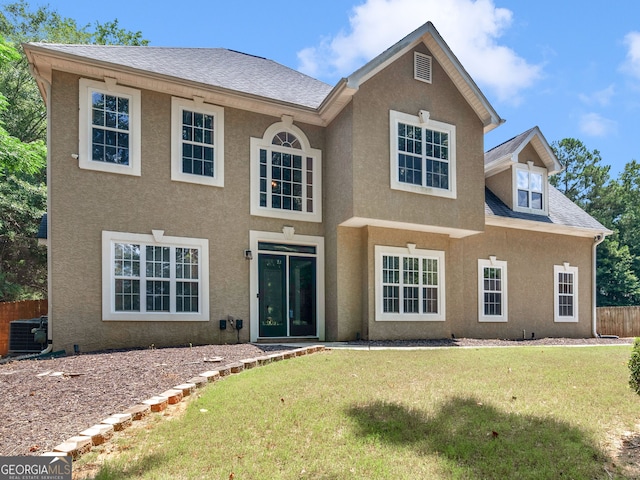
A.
pixel 490 413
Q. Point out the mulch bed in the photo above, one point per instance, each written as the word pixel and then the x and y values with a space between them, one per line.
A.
pixel 41 411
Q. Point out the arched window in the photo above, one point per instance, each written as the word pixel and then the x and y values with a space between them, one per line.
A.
pixel 286 175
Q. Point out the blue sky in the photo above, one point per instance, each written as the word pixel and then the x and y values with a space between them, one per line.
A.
pixel 570 67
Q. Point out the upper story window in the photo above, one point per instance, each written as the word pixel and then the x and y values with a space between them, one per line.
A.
pixel 109 127
pixel 154 277
pixel 409 284
pixel 565 293
pixel 492 290
pixel 530 189
pixel 197 142
pixel 286 175
pixel 423 154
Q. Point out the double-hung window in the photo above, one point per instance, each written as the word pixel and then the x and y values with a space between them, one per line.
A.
pixel 409 284
pixel 154 277
pixel 286 175
pixel 109 127
pixel 423 154
pixel 565 293
pixel 530 192
pixel 492 290
pixel 197 142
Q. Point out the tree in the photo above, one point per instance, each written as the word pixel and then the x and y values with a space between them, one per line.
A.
pixel 23 271
pixel 616 205
pixel 26 117
pixel 22 203
pixel 584 180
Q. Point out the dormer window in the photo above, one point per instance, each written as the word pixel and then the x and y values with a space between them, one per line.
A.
pixel 530 189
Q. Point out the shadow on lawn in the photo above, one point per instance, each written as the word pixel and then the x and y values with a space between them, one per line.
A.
pixel 479 441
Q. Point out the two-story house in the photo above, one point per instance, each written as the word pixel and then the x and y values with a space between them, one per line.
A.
pixel 189 186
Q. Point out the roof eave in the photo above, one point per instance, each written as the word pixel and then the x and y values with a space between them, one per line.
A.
pixel 43 61
pixel 530 225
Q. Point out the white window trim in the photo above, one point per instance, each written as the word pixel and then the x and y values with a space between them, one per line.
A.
pixel 422 120
pixel 493 263
pixel 409 251
pixel 306 151
pixel 86 89
pixel 288 236
pixel 157 238
pixel 178 105
pixel 565 268
pixel 530 168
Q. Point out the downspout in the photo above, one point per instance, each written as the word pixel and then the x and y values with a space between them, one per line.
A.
pixel 597 240
pixel 47 93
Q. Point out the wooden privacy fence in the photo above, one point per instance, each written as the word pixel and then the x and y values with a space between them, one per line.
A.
pixel 620 321
pixel 10 311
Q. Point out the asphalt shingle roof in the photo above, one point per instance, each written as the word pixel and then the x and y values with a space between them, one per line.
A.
pixel 507 148
pixel 215 67
pixel 562 211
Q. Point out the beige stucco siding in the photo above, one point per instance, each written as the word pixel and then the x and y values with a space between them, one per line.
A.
pixel 84 203
pixel 501 184
pixel 407 329
pixel 530 285
pixel 530 288
pixel 338 202
pixel 373 197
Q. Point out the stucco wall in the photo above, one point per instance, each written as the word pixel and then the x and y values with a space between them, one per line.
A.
pixel 501 184
pixel 338 202
pixel 373 197
pixel 530 258
pixel 84 203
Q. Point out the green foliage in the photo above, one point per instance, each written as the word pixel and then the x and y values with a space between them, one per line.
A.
pixel 615 204
pixel 23 263
pixel 583 178
pixel 110 34
pixel 23 271
pixel 19 23
pixel 617 281
pixel 634 367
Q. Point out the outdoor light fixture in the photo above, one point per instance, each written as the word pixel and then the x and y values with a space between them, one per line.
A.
pixel 248 254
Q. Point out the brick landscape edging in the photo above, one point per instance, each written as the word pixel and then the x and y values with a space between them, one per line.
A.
pixel 104 431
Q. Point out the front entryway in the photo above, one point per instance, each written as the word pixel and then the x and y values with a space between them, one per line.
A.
pixel 287 290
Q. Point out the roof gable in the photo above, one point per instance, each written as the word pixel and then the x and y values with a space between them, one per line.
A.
pixel 502 156
pixel 428 35
pixel 249 77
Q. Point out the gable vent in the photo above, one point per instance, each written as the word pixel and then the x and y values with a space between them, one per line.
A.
pixel 422 67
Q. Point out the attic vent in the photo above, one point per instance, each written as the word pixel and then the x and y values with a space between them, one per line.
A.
pixel 422 67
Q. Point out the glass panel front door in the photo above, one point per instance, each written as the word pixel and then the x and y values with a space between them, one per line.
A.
pixel 272 284
pixel 287 295
pixel 302 296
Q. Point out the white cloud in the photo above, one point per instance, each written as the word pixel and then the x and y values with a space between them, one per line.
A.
pixel 601 97
pixel 471 28
pixel 595 125
pixel 632 63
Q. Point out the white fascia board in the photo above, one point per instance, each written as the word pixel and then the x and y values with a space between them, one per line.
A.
pixel 358 222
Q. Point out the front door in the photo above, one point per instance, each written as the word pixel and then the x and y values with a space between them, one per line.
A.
pixel 287 292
